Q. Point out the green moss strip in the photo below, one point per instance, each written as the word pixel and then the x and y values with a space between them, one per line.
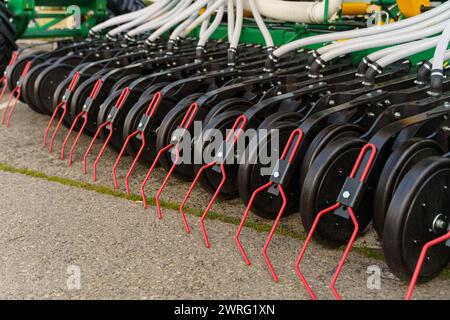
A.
pixel 257 226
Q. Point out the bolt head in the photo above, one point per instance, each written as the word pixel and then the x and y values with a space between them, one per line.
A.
pixel 346 195
pixel 276 174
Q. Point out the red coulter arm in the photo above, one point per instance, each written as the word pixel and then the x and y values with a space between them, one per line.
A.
pixel 369 151
pixel 232 136
pixel 288 155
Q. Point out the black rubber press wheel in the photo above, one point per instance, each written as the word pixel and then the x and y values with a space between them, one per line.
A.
pixel 421 199
pixel 321 188
pixel 256 172
pixel 401 160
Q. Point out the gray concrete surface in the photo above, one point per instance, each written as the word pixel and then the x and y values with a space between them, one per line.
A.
pixel 123 251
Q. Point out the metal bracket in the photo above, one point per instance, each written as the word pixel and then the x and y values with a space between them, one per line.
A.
pixel 281 173
pixel 351 192
pixel 113 114
pixel 224 153
pixel 88 104
pixel 66 95
pixel 177 135
pixel 143 123
pixel 19 82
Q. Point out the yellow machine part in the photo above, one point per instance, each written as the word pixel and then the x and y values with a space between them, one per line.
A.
pixel 410 8
pixel 354 8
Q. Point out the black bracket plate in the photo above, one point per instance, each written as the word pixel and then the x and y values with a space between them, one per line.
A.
pixel 88 104
pixel 351 192
pixel 112 116
pixel 143 123
pixel 281 173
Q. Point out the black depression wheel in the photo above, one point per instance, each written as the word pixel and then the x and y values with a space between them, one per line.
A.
pixel 401 160
pixel 169 124
pixel 322 139
pixel 28 88
pixel 117 138
pixel 421 199
pixel 211 179
pixel 321 188
pixel 46 84
pixel 254 173
pixel 132 121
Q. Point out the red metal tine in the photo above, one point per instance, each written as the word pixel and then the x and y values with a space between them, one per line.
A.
pixel 368 149
pixel 110 121
pixel 149 112
pixel 244 217
pixel 116 164
pixel 421 260
pixel 289 152
pixel 63 105
pixel 191 188
pixel 4 79
pixel 83 114
pixel 185 124
pixel 233 136
pixel 16 94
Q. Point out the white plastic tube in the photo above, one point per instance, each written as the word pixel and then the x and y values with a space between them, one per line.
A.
pixel 182 26
pixel 261 25
pixel 296 11
pixel 208 32
pixel 204 17
pixel 446 56
pixel 422 25
pixel 156 9
pixel 163 19
pixel 360 32
pixel 182 16
pixel 238 26
pixel 441 48
pixel 382 42
pixel 230 19
pixel 374 56
pixel 415 47
pixel 124 18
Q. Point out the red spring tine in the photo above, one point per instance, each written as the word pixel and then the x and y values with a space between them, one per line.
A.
pixel 421 260
pixel 244 217
pixel 149 173
pixel 191 188
pixel 16 94
pixel 85 115
pixel 128 139
pixel 122 98
pixel 103 125
pixel 289 147
pixel 290 150
pixel 151 109
pixel 116 164
pixel 233 135
pixel 62 104
pixel 10 97
pixel 185 123
pixel 367 148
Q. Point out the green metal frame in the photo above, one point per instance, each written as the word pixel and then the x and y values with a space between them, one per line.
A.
pixel 25 11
